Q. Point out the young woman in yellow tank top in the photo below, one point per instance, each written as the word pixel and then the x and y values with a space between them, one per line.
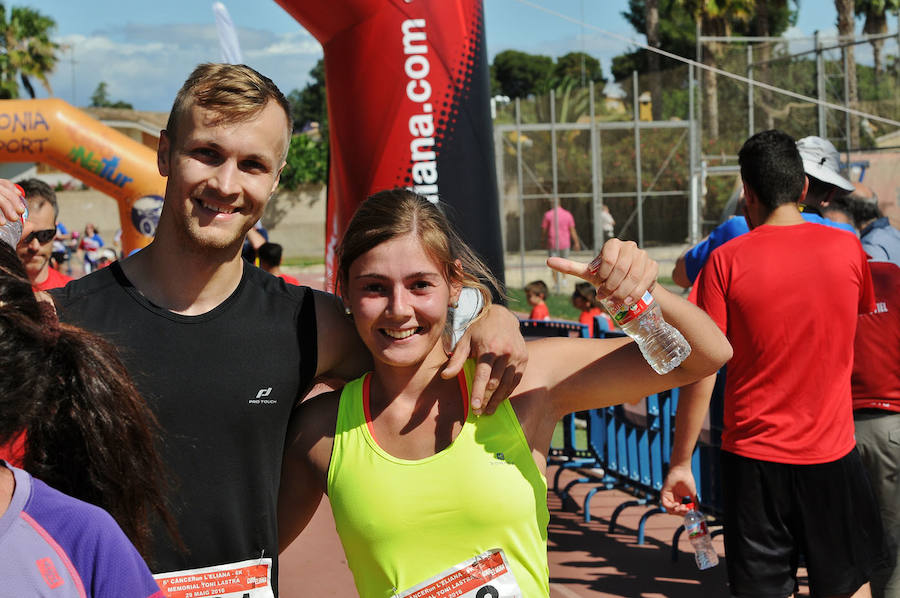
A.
pixel 431 499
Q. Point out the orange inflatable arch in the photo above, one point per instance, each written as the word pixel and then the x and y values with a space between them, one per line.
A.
pixel 53 132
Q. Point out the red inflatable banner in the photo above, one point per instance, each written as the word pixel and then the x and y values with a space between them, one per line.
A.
pixel 408 105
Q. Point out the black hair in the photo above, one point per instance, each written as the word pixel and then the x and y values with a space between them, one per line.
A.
pixel 270 253
pixel 772 168
pixel 88 433
pixel 860 211
pixel 588 292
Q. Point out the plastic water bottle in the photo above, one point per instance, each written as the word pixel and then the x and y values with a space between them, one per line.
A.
pixel 662 345
pixel 698 533
pixel 11 232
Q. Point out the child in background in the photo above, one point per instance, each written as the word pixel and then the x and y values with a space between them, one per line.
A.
pixel 536 292
pixel 584 298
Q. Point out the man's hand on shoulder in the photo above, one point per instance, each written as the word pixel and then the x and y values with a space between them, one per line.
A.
pixel 496 344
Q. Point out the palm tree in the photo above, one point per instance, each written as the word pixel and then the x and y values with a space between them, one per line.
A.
pixel 875 12
pixel 25 50
pixel 716 18
pixel 846 10
pixel 651 15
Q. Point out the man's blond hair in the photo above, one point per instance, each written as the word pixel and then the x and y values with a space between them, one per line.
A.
pixel 235 92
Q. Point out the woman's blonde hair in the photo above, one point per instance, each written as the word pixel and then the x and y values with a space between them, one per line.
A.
pixel 396 212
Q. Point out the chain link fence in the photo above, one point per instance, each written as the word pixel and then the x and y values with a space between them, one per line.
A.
pixel 669 181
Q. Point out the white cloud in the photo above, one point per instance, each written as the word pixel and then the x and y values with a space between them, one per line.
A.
pixel 146 64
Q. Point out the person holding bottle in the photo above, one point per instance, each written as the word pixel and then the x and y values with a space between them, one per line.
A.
pixel 398 452
pixel 787 294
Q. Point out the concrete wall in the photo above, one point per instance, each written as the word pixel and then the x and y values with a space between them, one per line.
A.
pixel 296 220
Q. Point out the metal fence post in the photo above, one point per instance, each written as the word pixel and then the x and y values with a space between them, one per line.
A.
pixel 694 198
pixel 521 189
pixel 820 86
pixel 751 127
pixel 555 170
pixel 596 197
pixel 638 185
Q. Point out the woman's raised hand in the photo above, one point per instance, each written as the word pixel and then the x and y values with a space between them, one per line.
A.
pixel 622 272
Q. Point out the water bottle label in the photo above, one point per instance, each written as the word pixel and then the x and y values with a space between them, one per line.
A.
pixel 627 313
pixel 698 530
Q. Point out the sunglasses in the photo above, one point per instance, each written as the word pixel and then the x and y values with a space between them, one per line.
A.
pixel 43 236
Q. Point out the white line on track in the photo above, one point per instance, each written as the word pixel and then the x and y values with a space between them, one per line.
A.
pixel 564 591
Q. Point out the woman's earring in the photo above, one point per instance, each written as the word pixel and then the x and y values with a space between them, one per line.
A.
pixel 455 303
pixel 347 311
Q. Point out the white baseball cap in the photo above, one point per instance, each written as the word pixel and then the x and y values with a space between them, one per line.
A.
pixel 822 161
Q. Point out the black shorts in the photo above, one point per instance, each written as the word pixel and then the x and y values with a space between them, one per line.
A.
pixel 774 512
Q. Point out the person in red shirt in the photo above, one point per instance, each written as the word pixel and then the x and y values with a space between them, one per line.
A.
pixel 269 255
pixel 787 295
pixel 875 384
pixel 536 292
pixel 35 248
pixel 584 298
pixel 876 409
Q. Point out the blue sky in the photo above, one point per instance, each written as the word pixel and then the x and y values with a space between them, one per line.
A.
pixel 144 50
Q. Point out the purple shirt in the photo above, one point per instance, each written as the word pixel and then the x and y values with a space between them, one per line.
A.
pixel 56 546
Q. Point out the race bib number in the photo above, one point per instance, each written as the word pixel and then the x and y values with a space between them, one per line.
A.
pixel 486 576
pixel 248 579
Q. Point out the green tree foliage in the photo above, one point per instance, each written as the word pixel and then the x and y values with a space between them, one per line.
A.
pixel 309 104
pixel 27 50
pixel 875 13
pixel 307 159
pixel 307 162
pixel 519 74
pixel 677 25
pixel 676 35
pixel 579 67
pixel 100 99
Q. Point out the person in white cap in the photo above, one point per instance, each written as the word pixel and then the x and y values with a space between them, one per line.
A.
pixel 821 163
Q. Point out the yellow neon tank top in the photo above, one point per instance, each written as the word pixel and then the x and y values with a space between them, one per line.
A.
pixel 402 522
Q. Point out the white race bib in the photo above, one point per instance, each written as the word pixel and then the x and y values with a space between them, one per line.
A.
pixel 247 579
pixel 485 576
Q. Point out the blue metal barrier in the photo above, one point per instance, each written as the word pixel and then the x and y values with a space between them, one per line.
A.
pixel 629 448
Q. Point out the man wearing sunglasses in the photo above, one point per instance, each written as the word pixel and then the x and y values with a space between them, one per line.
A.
pixel 35 248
